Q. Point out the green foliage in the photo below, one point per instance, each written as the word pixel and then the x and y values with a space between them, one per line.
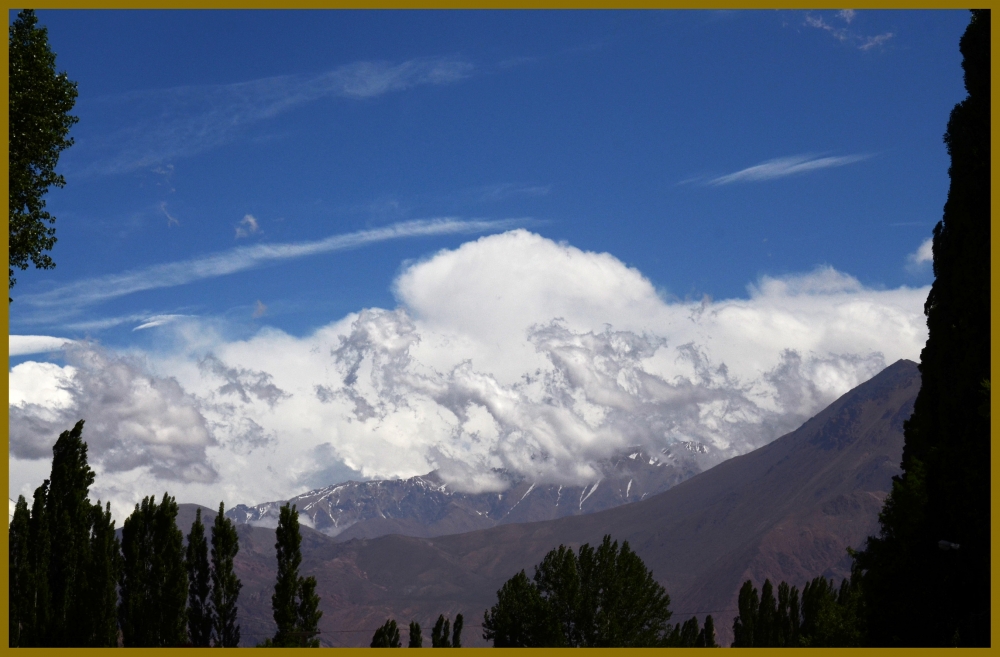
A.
pixel 105 573
pixel 154 590
pixel 456 632
pixel 416 638
pixel 521 618
pixel 225 585
pixel 827 617
pixel 295 604
pixel 439 633
pixel 745 624
pixel 597 598
pixel 39 105
pixel 686 635
pixel 64 562
pixel 706 638
pixel 915 594
pixel 386 636
pixel 21 599
pixel 199 579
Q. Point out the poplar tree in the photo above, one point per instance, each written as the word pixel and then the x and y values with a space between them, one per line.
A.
pixel 295 605
pixel 225 585
pixel 199 578
pixel 439 633
pixel 153 606
pixel 21 578
pixel 745 624
pixel 386 636
pixel 416 638
pixel 64 560
pixel 105 573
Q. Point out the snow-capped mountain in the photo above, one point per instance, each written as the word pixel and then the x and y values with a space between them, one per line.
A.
pixel 424 506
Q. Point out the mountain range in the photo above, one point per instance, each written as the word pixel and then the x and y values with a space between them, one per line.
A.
pixel 787 511
pixel 423 506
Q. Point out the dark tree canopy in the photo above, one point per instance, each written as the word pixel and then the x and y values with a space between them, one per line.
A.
pixel 64 558
pixel 439 633
pixel 154 588
pixel 915 593
pixel 597 598
pixel 199 585
pixel 40 102
pixel 826 617
pixel 294 604
pixel 416 638
pixel 387 636
pixel 225 585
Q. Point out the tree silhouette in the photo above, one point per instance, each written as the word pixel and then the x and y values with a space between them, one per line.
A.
pixel 916 593
pixel 597 598
pixel 295 604
pixel 154 589
pixel 199 585
pixel 387 636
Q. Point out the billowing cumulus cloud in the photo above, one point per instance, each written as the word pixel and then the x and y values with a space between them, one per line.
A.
pixel 510 352
pixel 134 420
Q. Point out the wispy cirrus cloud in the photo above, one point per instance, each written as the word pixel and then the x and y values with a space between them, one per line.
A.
pixel 182 121
pixel 786 166
pixel 94 290
pixel 845 34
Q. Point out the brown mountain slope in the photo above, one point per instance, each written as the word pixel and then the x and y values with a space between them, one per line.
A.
pixel 786 511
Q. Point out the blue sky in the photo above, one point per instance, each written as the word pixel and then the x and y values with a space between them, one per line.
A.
pixel 239 175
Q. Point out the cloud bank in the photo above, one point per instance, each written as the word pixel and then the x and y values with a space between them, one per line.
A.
pixel 511 351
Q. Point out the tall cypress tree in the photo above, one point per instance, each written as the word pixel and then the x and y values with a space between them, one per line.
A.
pixel 225 585
pixel 915 592
pixel 199 579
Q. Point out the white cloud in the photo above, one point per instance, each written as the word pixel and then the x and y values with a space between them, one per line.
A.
pixel 189 120
pixel 135 420
pixel 247 226
pixel 171 220
pixel 846 34
pixel 867 43
pixel 917 261
pixel 511 351
pixel 95 290
pixel 22 345
pixel 786 166
pixel 158 320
